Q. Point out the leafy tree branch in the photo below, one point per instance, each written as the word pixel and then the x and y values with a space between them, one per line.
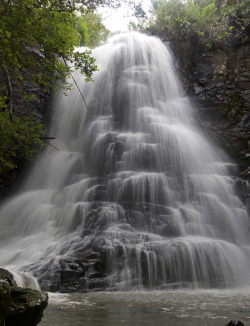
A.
pixel 36 36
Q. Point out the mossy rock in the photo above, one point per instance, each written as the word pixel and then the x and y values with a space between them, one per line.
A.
pixel 26 307
pixel 19 306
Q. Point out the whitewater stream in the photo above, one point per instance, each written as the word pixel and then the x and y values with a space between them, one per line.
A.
pixel 137 198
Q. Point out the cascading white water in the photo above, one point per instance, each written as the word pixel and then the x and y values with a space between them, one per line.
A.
pixel 135 186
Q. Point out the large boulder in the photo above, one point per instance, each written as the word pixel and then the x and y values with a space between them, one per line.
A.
pixel 26 307
pixel 19 306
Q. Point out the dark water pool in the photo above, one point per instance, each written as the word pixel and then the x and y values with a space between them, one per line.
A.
pixel 158 308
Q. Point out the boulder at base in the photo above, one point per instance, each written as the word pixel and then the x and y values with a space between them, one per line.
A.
pixel 26 307
pixel 19 306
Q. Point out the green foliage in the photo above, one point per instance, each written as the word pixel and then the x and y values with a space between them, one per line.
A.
pixel 34 35
pixel 82 29
pixel 37 39
pixel 184 18
pixel 3 101
pixel 166 14
pixel 204 18
pixel 97 32
pixel 19 138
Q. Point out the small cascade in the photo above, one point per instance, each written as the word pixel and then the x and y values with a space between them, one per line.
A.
pixel 19 279
pixel 26 280
pixel 137 197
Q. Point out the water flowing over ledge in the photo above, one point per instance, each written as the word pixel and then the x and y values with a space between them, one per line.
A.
pixel 137 197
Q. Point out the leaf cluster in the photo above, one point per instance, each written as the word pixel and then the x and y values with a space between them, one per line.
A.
pixel 19 138
pixel 35 35
pixel 97 32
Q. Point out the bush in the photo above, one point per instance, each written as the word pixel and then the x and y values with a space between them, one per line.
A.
pixel 210 21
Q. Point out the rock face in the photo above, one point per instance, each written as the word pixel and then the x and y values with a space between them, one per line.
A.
pixel 80 274
pixel 20 307
pixel 218 81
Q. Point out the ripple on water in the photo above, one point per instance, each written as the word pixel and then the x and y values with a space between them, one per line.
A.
pixel 171 308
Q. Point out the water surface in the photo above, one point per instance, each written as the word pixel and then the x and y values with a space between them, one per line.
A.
pixel 171 308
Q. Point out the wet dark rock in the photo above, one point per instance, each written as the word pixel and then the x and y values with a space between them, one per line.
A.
pixel 79 274
pixel 96 285
pixel 4 300
pixel 235 323
pixel 21 307
pixel 7 276
pixel 26 307
pixel 218 82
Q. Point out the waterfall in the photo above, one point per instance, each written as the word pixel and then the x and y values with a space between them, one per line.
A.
pixel 137 197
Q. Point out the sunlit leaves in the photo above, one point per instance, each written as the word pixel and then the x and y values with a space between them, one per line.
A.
pixel 206 18
pixel 97 32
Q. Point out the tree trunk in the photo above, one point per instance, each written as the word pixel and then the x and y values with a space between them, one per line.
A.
pixel 10 90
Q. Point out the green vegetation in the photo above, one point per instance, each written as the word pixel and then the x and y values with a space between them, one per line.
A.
pixel 90 29
pixel 38 34
pixel 37 38
pixel 82 30
pixel 97 32
pixel 210 20
pixel 18 137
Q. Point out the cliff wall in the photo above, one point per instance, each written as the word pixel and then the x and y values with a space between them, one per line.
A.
pixel 217 79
